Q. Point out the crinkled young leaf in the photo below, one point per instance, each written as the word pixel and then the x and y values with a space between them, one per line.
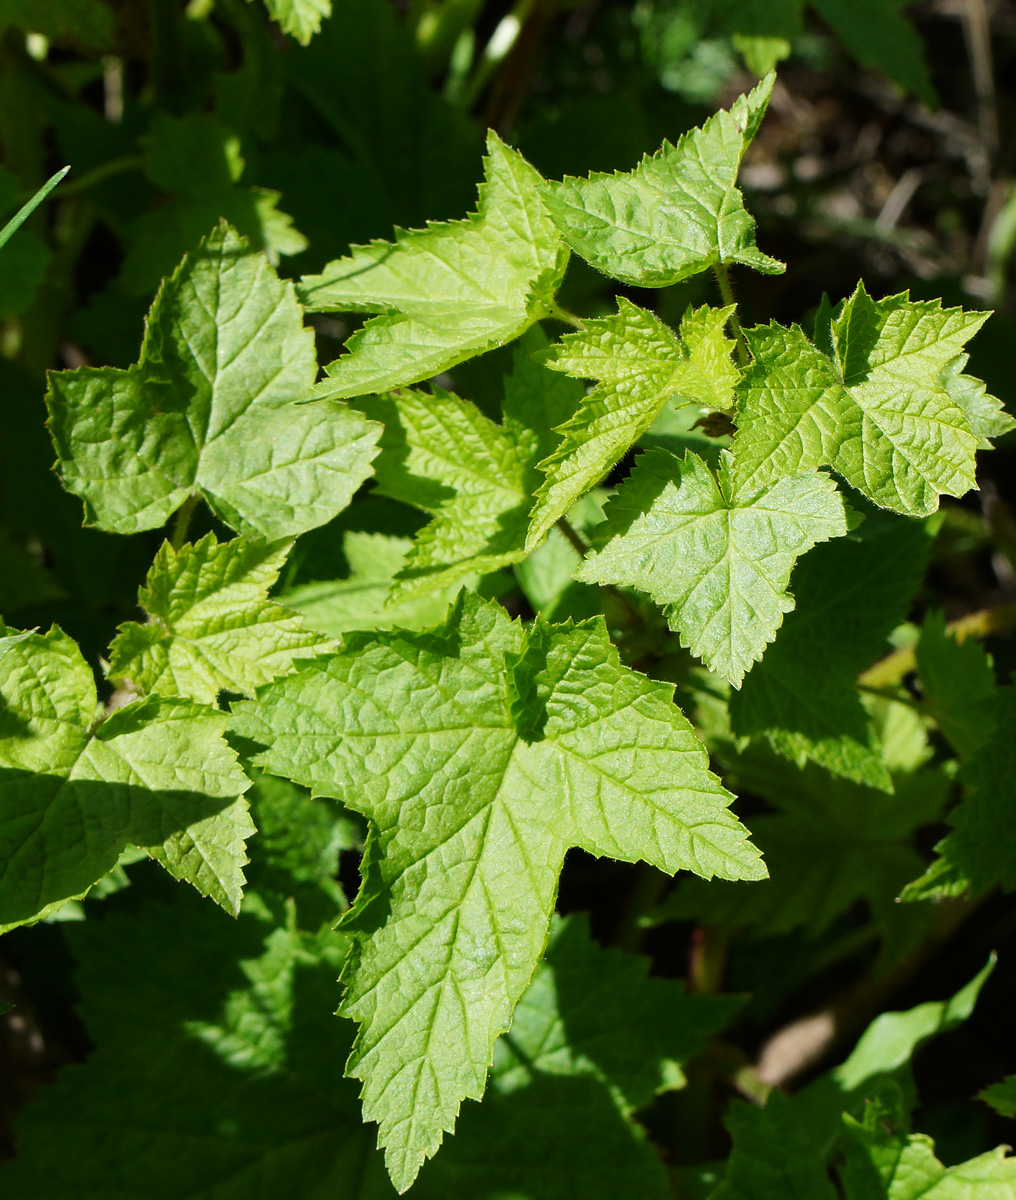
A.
pixel 678 213
pixel 441 454
pixel 156 774
pixel 850 594
pixel 299 18
pixel 211 626
pixel 447 292
pixel 958 682
pixel 876 410
pixel 640 364
pixel 359 601
pixel 481 753
pixel 208 410
pixel 717 558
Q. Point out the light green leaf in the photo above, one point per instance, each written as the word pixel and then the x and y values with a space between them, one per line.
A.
pixel 1001 1096
pixel 481 753
pixel 210 624
pixel 850 594
pixel 208 410
pixel 988 419
pixel 299 18
pixel 678 213
pixel 958 682
pixel 359 601
pixel 73 794
pixel 641 365
pixel 441 454
pixel 717 558
pixel 876 410
pixel 447 292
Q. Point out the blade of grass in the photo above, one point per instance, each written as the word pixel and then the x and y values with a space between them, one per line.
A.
pixel 26 210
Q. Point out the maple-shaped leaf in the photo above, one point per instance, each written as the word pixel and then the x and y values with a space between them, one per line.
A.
pixel 211 626
pixel 850 594
pixel 640 364
pixel 74 793
pixel 359 601
pixel 678 213
pixel 958 683
pixel 875 408
pixel 299 18
pixel 446 292
pixel 441 454
pixel 717 557
pixel 480 752
pixel 208 410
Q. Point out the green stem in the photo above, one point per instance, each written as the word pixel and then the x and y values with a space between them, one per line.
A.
pixel 568 529
pixel 727 293
pixel 562 314
pixel 183 520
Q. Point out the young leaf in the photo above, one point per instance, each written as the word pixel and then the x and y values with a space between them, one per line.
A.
pixel 480 752
pixel 678 213
pixel 875 410
pixel 211 626
pixel 988 419
pixel 358 602
pixel 299 18
pixel 718 558
pixel 155 774
pixel 447 292
pixel 850 595
pixel 441 454
pixel 208 410
pixel 640 364
pixel 958 683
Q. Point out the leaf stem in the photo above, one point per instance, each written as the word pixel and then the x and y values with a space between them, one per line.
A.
pixel 183 520
pixel 562 314
pixel 727 293
pixel 579 545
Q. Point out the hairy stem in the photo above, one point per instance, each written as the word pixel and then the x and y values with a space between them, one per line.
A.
pixel 727 292
pixel 578 544
pixel 562 314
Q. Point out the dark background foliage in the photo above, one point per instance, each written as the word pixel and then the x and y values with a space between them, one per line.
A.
pixel 174 114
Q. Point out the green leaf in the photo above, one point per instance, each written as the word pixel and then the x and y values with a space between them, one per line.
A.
pixel 299 18
pixel 678 213
pixel 850 595
pixel 196 160
pixel 359 601
pixel 447 292
pixel 155 774
pixel 875 410
pixel 211 626
pixel 988 419
pixel 1001 1096
pixel 87 22
pixel 830 844
pixel 717 558
pixel 884 1161
pixel 641 365
pixel 877 34
pixel 982 847
pixel 208 410
pixel 546 575
pixel 958 682
pixel 441 454
pixel 480 752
